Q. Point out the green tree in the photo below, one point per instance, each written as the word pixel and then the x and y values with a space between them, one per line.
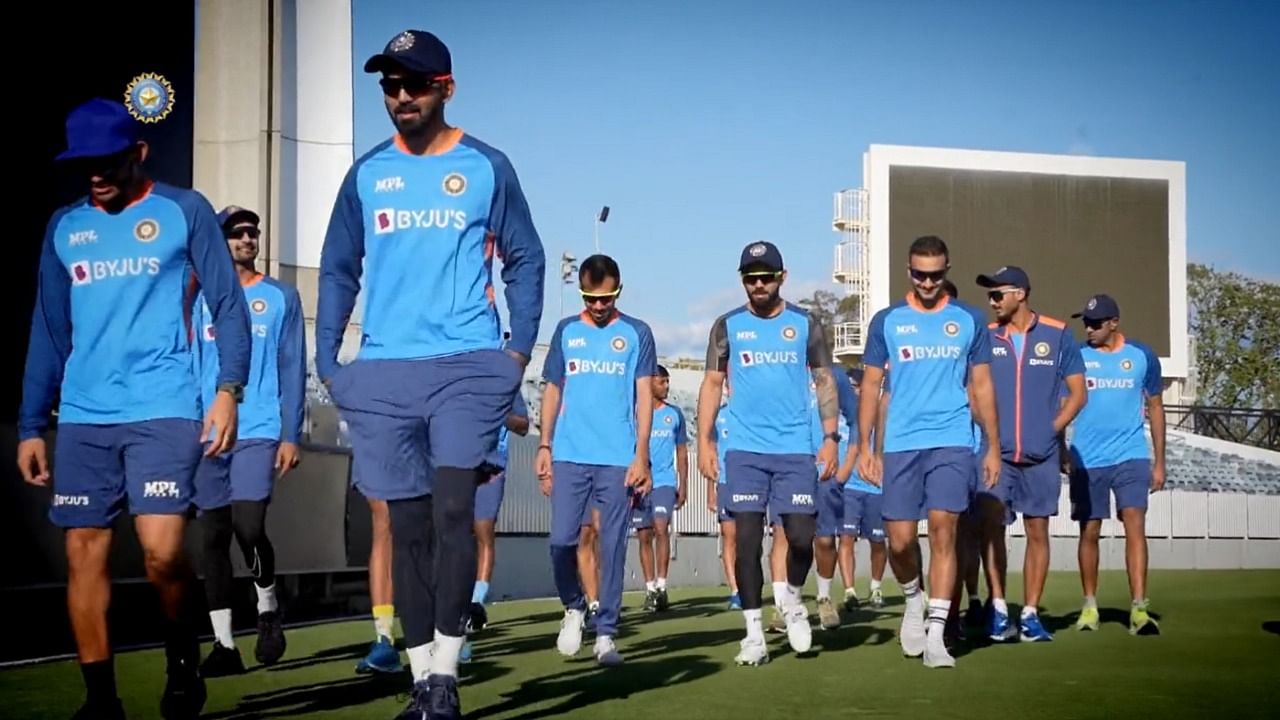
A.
pixel 1236 326
pixel 830 310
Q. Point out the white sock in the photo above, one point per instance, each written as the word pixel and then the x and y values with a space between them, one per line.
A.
pixel 875 585
pixel 911 590
pixel 794 596
pixel 824 588
pixel 780 593
pixel 1091 602
pixel 755 627
pixel 444 661
pixel 1000 605
pixel 938 611
pixel 221 620
pixel 650 586
pixel 420 660
pixel 266 599
pixel 1028 611
pixel 850 592
pixel 662 583
pixel 603 641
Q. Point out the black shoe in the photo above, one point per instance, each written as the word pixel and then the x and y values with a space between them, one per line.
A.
pixel 478 619
pixel 435 698
pixel 650 601
pixel 976 615
pixel 112 710
pixel 184 692
pixel 222 662
pixel 271 643
pixel 663 602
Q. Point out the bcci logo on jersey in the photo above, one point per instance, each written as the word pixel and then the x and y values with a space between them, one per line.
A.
pixel 771 357
pixel 84 272
pixel 146 231
pixel 1126 365
pixel 619 343
pixel 788 333
pixel 258 306
pixel 952 329
pixel 595 367
pixel 389 220
pixel 1042 349
pixel 454 184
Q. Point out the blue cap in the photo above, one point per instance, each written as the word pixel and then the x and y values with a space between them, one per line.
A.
pixel 1007 275
pixel 417 51
pixel 1099 307
pixel 233 215
pixel 763 255
pixel 99 128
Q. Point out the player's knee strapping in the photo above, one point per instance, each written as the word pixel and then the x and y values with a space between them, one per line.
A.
pixel 216 533
pixel 455 502
pixel 412 563
pixel 750 574
pixel 249 521
pixel 800 529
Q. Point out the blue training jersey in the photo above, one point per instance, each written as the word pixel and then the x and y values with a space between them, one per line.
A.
pixel 420 232
pixel 666 438
pixel 596 369
pixel 499 456
pixel 721 439
pixel 768 363
pixel 275 395
pixel 111 329
pixel 1109 430
pixel 930 352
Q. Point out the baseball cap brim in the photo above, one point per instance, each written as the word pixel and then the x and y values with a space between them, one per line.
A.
pixel 383 62
pixel 82 152
pixel 241 217
pixel 989 281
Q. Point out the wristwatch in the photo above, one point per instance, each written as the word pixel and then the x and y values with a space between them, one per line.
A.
pixel 833 437
pixel 236 390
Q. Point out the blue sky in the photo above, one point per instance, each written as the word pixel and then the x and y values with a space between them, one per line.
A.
pixel 706 125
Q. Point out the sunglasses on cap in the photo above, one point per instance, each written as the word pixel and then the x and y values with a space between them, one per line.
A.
pixel 413 85
pixel 250 232
pixel 604 298
pixel 764 278
pixel 922 275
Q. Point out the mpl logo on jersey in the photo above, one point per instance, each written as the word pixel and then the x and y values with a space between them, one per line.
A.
pixel 84 272
pixel 905 330
pixel 389 184
pixel 1000 351
pixel 913 353
pixel 749 358
pixel 389 220
pixel 595 367
pixel 82 237
pixel 577 343
pixel 746 335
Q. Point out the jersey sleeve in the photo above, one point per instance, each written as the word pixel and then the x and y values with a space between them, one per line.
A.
pixel 1153 381
pixel 718 345
pixel 980 348
pixel 681 434
pixel 220 285
pixel 876 352
pixel 340 268
pixel 524 262
pixel 553 365
pixel 50 340
pixel 292 364
pixel 647 354
pixel 848 400
pixel 1070 361
pixel 818 352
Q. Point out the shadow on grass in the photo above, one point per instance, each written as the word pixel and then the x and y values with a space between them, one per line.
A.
pixel 304 700
pixel 1271 626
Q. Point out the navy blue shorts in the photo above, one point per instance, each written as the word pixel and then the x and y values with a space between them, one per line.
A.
pixel 830 507
pixel 576 489
pixel 778 484
pixel 244 474
pixel 917 481
pixel 1091 489
pixel 722 503
pixel 1034 487
pixel 663 501
pixel 96 468
pixel 642 512
pixel 862 515
pixel 489 498
pixel 405 417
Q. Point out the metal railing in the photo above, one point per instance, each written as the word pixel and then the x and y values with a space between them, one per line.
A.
pixel 1256 427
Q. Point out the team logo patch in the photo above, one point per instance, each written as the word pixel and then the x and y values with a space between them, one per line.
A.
pixel 1093 303
pixel 757 250
pixel 402 42
pixel 1126 365
pixel 788 333
pixel 952 329
pixel 149 97
pixel 667 420
pixel 80 273
pixel 454 184
pixel 146 230
pixel 383 221
pixel 258 306
pixel 1042 349
pixel 618 343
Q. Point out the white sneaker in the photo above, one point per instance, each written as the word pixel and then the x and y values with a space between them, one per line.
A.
pixel 936 655
pixel 606 652
pixel 828 616
pixel 912 632
pixel 569 642
pixel 752 652
pixel 799 634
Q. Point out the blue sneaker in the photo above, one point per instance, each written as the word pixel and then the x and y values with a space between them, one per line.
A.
pixel 735 603
pixel 382 658
pixel 999 629
pixel 1033 631
pixel 464 656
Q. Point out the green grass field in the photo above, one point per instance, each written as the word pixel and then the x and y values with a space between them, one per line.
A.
pixel 1217 657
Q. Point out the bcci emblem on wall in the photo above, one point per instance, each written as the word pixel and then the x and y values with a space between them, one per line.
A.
pixel 454 184
pixel 149 97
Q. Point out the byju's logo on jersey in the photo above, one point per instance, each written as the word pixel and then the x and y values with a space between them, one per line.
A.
pixel 454 184
pixel 80 273
pixel 749 358
pixel 146 230
pixel 1127 383
pixel 618 343
pixel 389 184
pixel 258 306
pixel 571 367
pixel 84 272
pixel 909 353
pixel 595 367
pixel 788 333
pixel 952 328
pixel 389 220
pixel 82 237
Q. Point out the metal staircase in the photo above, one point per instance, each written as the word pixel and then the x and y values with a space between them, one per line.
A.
pixel 853 269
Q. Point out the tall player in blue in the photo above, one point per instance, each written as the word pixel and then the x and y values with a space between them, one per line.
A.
pixel 597 415
pixel 1109 454
pixel 669 451
pixel 772 350
pixel 233 489
pixel 110 336
pixel 935 346
pixel 419 220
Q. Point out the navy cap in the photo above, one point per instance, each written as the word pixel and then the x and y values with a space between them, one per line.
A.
pixel 417 51
pixel 856 374
pixel 233 215
pixel 99 128
pixel 1099 307
pixel 1007 275
pixel 761 254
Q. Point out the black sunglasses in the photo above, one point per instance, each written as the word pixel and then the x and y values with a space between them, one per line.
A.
pixel 998 295
pixel 763 278
pixel 1094 324
pixel 935 275
pixel 237 233
pixel 105 166
pixel 414 86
